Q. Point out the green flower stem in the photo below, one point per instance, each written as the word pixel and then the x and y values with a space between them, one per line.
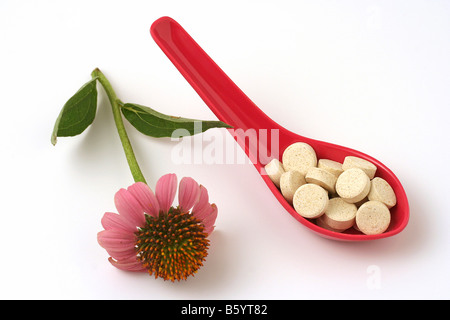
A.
pixel 129 153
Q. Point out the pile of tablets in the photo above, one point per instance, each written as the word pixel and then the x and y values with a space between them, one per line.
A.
pixel 338 196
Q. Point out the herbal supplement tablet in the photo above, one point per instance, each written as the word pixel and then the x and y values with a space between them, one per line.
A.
pixel 274 170
pixel 289 183
pixel 339 215
pixel 373 217
pixel 331 166
pixel 320 222
pixel 299 156
pixel 381 191
pixel 354 162
pixel 322 178
pixel 353 185
pixel 310 200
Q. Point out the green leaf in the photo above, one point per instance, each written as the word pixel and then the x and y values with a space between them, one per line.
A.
pixel 156 124
pixel 78 112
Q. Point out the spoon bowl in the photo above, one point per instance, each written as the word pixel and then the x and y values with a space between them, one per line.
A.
pixel 233 107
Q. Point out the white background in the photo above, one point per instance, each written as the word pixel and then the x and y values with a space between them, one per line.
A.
pixel 370 75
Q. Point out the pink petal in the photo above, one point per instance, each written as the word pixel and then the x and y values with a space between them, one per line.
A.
pixel 129 264
pixel 188 193
pixel 209 220
pixel 202 203
pixel 115 221
pixel 118 243
pixel 165 190
pixel 145 196
pixel 206 210
pixel 129 207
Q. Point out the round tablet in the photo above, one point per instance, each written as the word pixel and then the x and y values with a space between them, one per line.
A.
pixel 322 178
pixel 289 183
pixel 310 200
pixel 353 185
pixel 373 217
pixel 299 156
pixel 331 166
pixel 339 215
pixel 274 170
pixel 381 191
pixel 354 162
pixel 320 222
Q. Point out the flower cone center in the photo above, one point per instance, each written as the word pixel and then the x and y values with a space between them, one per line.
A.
pixel 172 246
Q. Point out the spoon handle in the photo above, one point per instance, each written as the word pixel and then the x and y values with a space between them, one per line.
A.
pixel 217 90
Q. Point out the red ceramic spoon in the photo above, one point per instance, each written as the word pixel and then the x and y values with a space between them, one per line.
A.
pixel 232 106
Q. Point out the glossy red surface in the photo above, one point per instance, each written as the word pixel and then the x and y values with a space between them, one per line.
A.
pixel 232 106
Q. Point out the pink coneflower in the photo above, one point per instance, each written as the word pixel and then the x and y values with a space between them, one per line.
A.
pixel 151 235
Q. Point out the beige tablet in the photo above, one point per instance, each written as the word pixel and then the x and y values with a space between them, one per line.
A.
pixel 310 200
pixel 331 166
pixel 381 191
pixel 354 162
pixel 373 217
pixel 274 170
pixel 322 178
pixel 299 156
pixel 339 215
pixel 289 183
pixel 353 185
